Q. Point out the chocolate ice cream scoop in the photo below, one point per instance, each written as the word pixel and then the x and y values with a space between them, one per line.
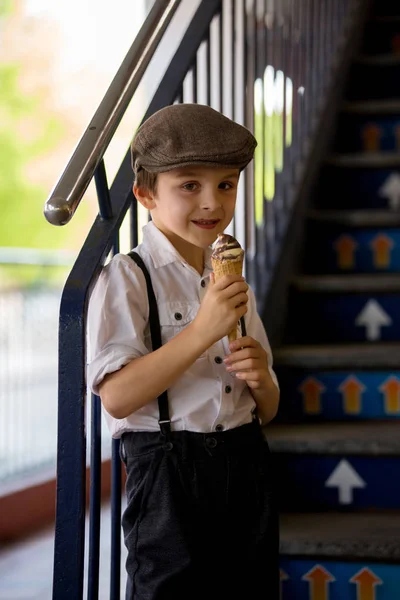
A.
pixel 227 248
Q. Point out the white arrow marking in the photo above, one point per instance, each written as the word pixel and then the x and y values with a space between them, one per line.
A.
pixel 345 478
pixel 391 189
pixel 373 317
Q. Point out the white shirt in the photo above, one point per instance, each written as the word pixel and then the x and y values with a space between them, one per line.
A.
pixel 206 395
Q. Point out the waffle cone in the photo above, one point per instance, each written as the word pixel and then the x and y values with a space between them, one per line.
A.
pixel 228 267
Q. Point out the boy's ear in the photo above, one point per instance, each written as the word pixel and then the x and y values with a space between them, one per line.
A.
pixel 144 197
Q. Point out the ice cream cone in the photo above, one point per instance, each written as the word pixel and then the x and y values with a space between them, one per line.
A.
pixel 226 260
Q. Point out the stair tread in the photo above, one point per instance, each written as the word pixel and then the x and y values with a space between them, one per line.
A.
pixel 372 535
pixel 361 438
pixel 357 218
pixel 374 283
pixel 365 159
pixel 378 59
pixel 386 18
pixel 380 355
pixel 389 106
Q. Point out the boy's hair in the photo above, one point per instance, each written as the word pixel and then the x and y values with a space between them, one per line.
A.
pixel 146 181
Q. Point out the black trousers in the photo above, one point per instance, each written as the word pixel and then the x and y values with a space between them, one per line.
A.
pixel 200 521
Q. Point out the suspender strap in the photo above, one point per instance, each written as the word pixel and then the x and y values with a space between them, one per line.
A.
pixel 155 331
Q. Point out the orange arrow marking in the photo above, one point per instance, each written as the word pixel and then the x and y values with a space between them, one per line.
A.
pixel 319 579
pixel 345 247
pixel 391 392
pixel 283 576
pixel 396 43
pixel 352 390
pixel 371 137
pixel 311 389
pixel 366 580
pixel 381 246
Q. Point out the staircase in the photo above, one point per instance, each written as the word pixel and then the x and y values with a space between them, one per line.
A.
pixel 337 437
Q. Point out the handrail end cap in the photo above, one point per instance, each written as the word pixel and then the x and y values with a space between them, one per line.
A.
pixel 57 211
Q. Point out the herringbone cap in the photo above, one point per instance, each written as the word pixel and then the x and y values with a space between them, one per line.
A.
pixel 190 134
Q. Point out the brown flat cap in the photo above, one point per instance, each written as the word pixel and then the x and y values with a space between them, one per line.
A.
pixel 190 134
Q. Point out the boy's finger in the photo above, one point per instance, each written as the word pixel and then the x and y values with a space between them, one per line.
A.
pixel 239 355
pixel 243 342
pixel 228 280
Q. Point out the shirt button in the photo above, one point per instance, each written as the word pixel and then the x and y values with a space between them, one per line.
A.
pixel 219 427
pixel 203 283
pixel 228 389
pixel 178 316
pixel 218 360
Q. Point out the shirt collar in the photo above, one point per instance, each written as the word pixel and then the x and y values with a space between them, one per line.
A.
pixel 163 252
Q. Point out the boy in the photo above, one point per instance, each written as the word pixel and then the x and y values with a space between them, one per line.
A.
pixel 200 521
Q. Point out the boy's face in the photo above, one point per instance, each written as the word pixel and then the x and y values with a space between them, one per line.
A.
pixel 193 203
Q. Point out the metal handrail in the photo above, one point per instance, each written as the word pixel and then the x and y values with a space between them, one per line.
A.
pixel 65 197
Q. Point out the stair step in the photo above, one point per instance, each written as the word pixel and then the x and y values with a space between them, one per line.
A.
pixel 357 218
pixel 379 60
pixel 373 107
pixel 323 466
pixel 339 356
pixel 361 439
pixel 387 19
pixel 359 182
pixel 370 160
pixel 373 536
pixel 383 283
pixel 358 241
pixel 316 395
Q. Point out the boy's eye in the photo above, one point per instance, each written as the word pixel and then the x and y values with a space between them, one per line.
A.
pixel 190 187
pixel 225 185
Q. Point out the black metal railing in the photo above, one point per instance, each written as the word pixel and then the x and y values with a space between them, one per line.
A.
pixel 266 64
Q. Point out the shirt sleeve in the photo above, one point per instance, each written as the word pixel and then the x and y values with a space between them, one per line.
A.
pixel 117 319
pixel 256 330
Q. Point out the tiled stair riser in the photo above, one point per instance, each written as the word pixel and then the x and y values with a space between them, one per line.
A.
pixel 339 395
pixel 303 579
pixel 359 188
pixel 333 317
pixel 342 250
pixel 382 37
pixel 312 482
pixel 368 133
pixel 386 7
pixel 374 81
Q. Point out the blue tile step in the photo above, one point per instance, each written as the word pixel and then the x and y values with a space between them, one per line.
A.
pixel 340 556
pixel 374 76
pixel 368 132
pixel 360 181
pixel 343 395
pixel 382 35
pixel 344 308
pixel 336 466
pixel 358 241
pixel 386 8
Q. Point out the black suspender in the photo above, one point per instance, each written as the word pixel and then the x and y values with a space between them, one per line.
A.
pixel 155 331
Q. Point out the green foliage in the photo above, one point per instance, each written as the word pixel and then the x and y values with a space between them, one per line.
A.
pixel 25 135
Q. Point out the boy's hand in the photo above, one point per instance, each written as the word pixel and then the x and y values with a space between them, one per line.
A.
pixel 249 362
pixel 223 305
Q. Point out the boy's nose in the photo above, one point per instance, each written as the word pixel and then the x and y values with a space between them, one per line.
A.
pixel 211 202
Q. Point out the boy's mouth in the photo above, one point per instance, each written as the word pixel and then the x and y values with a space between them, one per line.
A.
pixel 206 223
